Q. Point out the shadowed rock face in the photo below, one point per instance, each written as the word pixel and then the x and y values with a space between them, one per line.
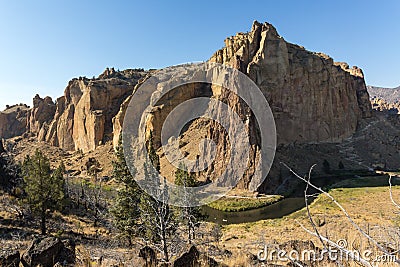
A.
pixel 313 98
pixel 9 258
pixel 48 251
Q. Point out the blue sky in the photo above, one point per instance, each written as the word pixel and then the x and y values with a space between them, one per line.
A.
pixel 46 43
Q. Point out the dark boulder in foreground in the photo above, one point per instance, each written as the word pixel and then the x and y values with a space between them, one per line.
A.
pixel 9 258
pixel 188 259
pixel 49 251
pixel 149 256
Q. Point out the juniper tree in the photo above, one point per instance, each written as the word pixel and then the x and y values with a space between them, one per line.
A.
pixel 189 216
pixel 159 222
pixel 126 209
pixel 9 171
pixel 94 193
pixel 44 187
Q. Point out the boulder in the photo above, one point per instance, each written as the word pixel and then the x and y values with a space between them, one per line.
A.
pixel 2 150
pixel 67 254
pixel 149 256
pixel 48 251
pixel 9 258
pixel 188 259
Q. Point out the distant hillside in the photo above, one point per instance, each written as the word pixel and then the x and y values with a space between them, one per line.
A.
pixel 390 95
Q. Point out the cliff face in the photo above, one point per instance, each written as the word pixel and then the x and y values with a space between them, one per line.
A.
pixel 40 115
pixel 83 118
pixel 313 98
pixel 13 121
pixel 79 120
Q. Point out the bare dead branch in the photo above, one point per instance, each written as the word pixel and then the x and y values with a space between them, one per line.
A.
pixel 330 242
pixel 354 224
pixel 391 193
pixel 308 208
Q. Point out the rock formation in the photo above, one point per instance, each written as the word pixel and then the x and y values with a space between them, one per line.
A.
pixel 9 258
pixel 190 258
pixel 386 100
pixel 390 95
pixel 42 113
pixel 13 121
pixel 382 105
pixel 48 251
pixel 79 120
pixel 118 120
pixel 313 98
pixel 83 118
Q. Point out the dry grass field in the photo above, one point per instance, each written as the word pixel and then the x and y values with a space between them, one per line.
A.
pixel 369 207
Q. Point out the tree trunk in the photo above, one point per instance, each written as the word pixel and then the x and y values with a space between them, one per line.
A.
pixel 189 235
pixel 165 248
pixel 43 222
pixel 164 241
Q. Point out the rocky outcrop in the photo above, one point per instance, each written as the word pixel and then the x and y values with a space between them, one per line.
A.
pixel 390 95
pixel 48 252
pixel 313 98
pixel 118 120
pixel 382 105
pixel 386 100
pixel 13 121
pixel 82 118
pixel 149 256
pixel 85 120
pixel 41 114
pixel 9 258
pixel 188 259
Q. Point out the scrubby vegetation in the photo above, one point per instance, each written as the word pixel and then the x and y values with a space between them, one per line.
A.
pixel 233 204
pixel 117 224
pixel 44 188
pixel 10 172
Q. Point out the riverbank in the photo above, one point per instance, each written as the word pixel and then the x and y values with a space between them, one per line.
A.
pixel 243 203
pixel 369 207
